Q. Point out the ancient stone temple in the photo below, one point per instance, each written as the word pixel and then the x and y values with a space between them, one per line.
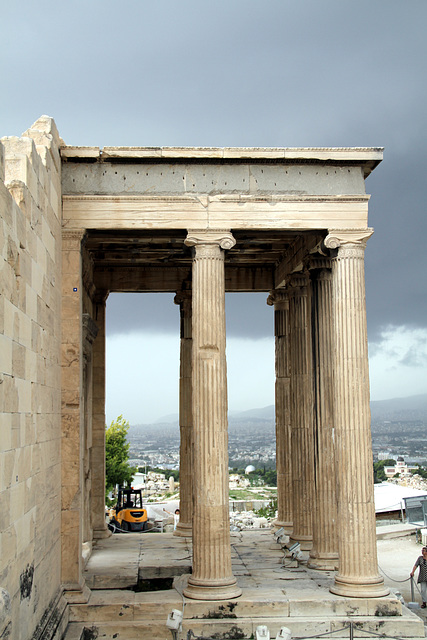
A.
pixel 80 222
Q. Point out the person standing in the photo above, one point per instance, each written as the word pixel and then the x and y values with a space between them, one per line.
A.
pixel 175 517
pixel 421 562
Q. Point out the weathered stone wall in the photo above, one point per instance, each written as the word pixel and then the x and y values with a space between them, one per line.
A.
pixel 31 605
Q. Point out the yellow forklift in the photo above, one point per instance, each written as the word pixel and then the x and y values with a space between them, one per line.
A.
pixel 128 514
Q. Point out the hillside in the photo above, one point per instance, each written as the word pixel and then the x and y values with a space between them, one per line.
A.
pixel 406 410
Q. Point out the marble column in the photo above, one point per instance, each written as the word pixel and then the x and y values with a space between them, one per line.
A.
pixel 184 526
pixel 72 441
pixel 100 529
pixel 280 299
pixel 324 553
pixel 89 334
pixel 212 577
pixel 358 568
pixel 301 410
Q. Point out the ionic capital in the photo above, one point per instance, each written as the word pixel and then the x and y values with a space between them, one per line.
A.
pixel 183 296
pixel 343 237
pixel 217 238
pixel 315 263
pixel 279 298
pixel 299 280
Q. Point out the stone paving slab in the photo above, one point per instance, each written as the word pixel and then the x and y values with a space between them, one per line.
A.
pixel 273 594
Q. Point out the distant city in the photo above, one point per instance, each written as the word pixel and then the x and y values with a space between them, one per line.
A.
pixel 399 428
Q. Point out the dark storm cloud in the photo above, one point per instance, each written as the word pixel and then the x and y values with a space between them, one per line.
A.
pixel 248 315
pixel 280 73
pixel 396 283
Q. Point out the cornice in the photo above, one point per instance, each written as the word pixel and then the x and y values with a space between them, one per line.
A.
pixel 216 198
pixel 244 153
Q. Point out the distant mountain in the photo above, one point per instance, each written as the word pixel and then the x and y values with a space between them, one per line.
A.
pixel 264 413
pixel 171 418
pixel 405 409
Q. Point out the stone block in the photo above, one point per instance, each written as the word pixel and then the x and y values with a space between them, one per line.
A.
pixel 35 459
pixel 45 135
pixel 31 366
pixel 16 420
pixel 18 360
pixel 10 398
pixel 25 534
pixel 30 495
pixel 24 395
pixel 37 277
pixel 16 504
pixel 24 337
pixel 8 547
pixel 50 454
pixel 9 467
pixel 5 510
pixel 22 197
pixel 44 315
pixel 36 332
pixel 6 357
pixel 55 198
pixel 19 167
pixel 20 220
pixel 41 250
pixel 48 238
pixel 6 432
pixel 7 207
pixel 40 376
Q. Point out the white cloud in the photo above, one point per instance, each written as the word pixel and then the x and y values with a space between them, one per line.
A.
pixel 398 363
pixel 250 373
pixel 143 375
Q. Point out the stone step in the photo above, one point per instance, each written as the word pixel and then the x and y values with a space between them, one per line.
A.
pixel 406 626
pixel 131 606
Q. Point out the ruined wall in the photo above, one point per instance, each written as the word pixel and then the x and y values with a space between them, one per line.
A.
pixel 31 605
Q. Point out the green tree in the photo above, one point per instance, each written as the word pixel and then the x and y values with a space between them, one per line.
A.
pixel 422 471
pixel 117 467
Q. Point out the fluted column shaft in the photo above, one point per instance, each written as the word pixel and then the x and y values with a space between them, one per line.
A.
pixel 301 410
pixel 358 568
pixel 324 553
pixel 212 577
pixel 100 529
pixel 280 299
pixel 184 526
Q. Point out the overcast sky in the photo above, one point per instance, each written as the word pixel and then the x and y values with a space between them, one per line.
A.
pixel 240 73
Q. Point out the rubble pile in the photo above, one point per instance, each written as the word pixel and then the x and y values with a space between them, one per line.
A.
pixel 415 482
pixel 249 520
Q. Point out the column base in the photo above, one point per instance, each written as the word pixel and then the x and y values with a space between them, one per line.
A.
pixel 352 588
pixel 225 589
pixel 287 526
pixel 324 563
pixel 100 534
pixel 306 542
pixel 184 530
pixel 76 593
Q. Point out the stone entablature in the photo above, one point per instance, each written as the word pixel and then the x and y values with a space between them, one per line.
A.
pixel 194 188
